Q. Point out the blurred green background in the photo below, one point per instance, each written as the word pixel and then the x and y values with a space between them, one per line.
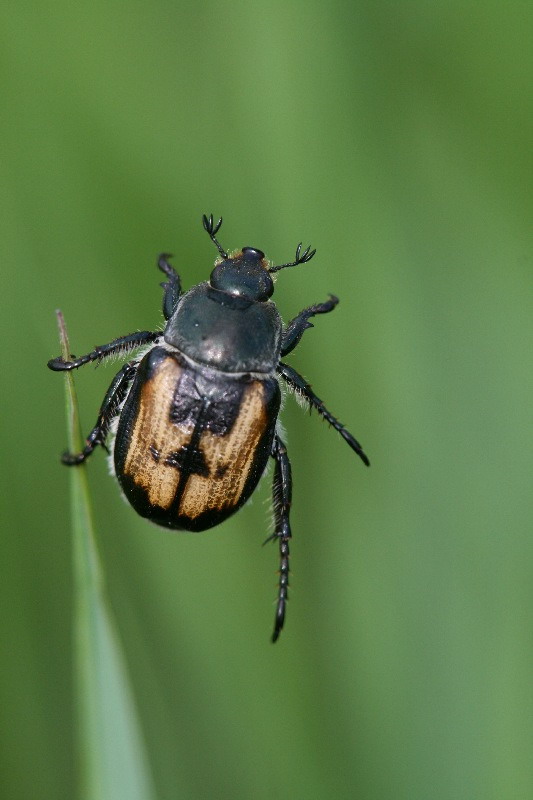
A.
pixel 396 139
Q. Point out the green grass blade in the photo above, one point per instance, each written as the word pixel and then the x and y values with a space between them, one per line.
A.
pixel 113 763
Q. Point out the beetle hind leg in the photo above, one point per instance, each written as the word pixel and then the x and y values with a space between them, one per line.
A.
pixel 282 493
pixel 108 411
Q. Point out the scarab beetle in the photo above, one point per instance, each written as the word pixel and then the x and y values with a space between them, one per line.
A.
pixel 194 414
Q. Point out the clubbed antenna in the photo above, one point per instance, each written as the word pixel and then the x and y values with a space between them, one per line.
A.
pixel 212 229
pixel 301 258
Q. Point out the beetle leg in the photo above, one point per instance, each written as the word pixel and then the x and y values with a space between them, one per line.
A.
pixel 281 493
pixel 296 327
pixel 296 382
pixel 108 411
pixel 121 345
pixel 172 287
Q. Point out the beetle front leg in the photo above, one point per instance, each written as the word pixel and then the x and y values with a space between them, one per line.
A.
pixel 172 287
pixel 281 494
pixel 108 411
pixel 300 385
pixel 296 327
pixel 120 345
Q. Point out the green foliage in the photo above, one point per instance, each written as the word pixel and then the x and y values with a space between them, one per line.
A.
pixel 112 760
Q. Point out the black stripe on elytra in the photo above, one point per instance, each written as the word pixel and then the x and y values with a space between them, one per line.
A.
pixel 187 457
pixel 191 456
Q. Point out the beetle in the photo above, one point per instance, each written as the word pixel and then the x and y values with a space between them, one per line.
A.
pixel 192 420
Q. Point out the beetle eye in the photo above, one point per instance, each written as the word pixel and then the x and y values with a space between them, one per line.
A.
pixel 253 252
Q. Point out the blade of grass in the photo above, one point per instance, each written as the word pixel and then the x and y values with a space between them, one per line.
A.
pixel 113 763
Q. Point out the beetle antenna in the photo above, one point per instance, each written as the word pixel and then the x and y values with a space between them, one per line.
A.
pixel 212 229
pixel 301 258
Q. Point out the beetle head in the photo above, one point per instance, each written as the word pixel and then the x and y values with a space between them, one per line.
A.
pixel 245 274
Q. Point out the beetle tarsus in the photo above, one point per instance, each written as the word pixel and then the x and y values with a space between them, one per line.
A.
pixel 73 459
pixel 172 287
pixel 164 266
pixel 58 364
pixel 296 327
pixel 282 494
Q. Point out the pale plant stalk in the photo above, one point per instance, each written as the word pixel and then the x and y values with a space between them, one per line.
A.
pixel 112 760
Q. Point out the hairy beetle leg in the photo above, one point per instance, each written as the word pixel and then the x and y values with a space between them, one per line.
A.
pixel 300 385
pixel 120 345
pixel 108 411
pixel 282 494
